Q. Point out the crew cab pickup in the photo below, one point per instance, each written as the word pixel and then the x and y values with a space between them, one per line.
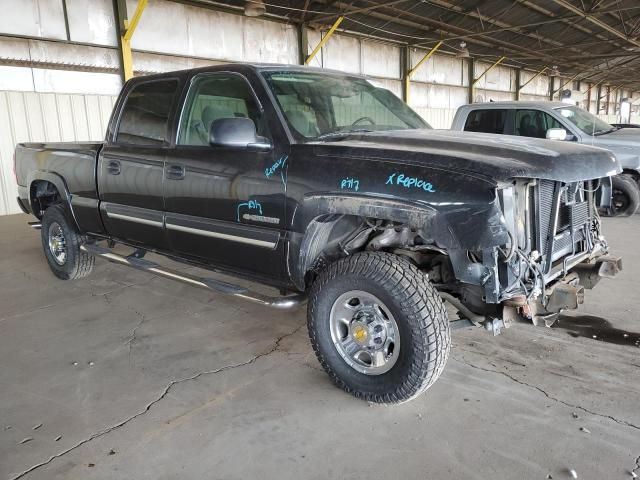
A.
pixel 333 191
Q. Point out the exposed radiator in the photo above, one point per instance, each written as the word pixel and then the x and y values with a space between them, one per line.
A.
pixel 546 192
pixel 573 220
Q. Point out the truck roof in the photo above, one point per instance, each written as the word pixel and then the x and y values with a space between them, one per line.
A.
pixel 518 104
pixel 241 66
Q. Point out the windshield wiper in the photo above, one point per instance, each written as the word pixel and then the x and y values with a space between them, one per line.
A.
pixel 604 132
pixel 342 133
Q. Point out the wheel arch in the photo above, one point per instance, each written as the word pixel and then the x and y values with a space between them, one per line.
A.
pixel 632 173
pixel 52 187
pixel 326 220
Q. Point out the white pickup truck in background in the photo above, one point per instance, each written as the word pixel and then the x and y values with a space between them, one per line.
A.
pixel 561 121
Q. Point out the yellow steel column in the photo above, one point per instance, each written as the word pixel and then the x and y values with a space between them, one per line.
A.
pixel 410 73
pixel 127 58
pixel 324 40
pixel 533 78
pixel 476 80
pixel 593 85
pixel 566 83
pixel 125 39
pixel 495 64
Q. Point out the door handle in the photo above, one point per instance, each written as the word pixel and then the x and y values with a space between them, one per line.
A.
pixel 174 172
pixel 113 167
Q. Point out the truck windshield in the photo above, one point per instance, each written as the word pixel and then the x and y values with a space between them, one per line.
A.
pixel 585 121
pixel 322 105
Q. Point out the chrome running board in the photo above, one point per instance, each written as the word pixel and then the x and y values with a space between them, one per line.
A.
pixel 211 284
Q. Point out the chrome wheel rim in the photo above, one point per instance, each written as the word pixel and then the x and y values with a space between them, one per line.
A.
pixel 364 332
pixel 57 243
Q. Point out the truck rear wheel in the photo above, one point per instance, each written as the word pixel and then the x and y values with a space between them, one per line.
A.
pixel 378 327
pixel 61 243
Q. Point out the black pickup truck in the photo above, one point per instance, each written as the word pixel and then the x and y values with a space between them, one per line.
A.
pixel 330 190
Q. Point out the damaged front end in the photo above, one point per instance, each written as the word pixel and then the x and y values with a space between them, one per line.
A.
pixel 555 251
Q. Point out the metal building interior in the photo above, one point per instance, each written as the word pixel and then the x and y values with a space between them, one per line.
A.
pixel 69 54
pixel 131 376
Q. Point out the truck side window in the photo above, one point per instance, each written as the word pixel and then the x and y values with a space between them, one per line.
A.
pixel 486 121
pixel 145 115
pixel 216 96
pixel 534 123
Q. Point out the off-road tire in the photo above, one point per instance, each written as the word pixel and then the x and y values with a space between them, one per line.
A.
pixel 627 193
pixel 78 264
pixel 425 339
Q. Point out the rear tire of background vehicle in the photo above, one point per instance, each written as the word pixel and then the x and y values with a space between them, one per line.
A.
pixel 61 243
pixel 378 327
pixel 626 196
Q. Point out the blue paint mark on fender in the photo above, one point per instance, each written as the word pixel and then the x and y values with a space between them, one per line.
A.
pixel 350 184
pixel 410 182
pixel 251 205
pixel 278 165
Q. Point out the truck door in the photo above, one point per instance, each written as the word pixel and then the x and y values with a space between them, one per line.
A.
pixel 534 123
pixel 225 205
pixel 131 165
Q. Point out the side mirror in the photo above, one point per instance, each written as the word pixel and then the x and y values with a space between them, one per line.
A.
pixel 237 133
pixel 556 134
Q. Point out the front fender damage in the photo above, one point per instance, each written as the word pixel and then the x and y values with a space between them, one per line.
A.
pixel 449 227
pixel 471 226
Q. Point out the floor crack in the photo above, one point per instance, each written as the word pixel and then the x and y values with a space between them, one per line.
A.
pixel 132 337
pixel 75 299
pixel 548 395
pixel 164 393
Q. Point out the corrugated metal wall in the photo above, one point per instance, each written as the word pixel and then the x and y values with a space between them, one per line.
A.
pixel 205 33
pixel 48 102
pixel 438 87
pixel 440 118
pixel 376 60
pixel 31 116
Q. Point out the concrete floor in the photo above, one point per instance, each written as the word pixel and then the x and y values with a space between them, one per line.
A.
pixel 125 375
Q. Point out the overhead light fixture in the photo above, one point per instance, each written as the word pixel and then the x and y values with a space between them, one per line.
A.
pixel 464 51
pixel 254 8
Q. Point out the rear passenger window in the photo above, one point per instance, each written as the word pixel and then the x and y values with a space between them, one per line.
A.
pixel 486 121
pixel 145 116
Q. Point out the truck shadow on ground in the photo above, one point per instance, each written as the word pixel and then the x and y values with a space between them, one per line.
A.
pixel 596 328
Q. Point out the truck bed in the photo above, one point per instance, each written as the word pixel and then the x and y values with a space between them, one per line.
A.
pixel 71 167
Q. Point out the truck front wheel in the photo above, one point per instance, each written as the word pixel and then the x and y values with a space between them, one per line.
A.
pixel 61 243
pixel 378 327
pixel 626 196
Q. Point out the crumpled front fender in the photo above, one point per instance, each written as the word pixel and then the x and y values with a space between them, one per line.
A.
pixel 467 225
pixel 451 226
